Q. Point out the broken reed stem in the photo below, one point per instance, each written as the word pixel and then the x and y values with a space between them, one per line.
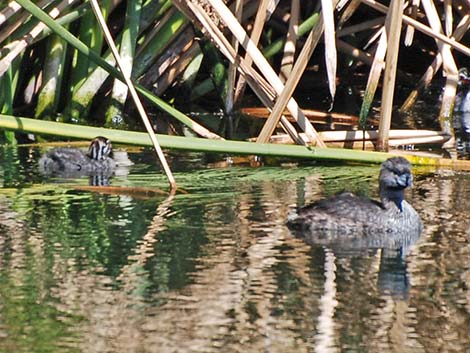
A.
pixel 373 79
pixel 133 92
pixel 258 84
pixel 363 26
pixel 258 26
pixel 425 80
pixel 287 61
pixel 331 61
pixel 232 70
pixel 263 65
pixel 292 82
pixel 14 49
pixel 450 69
pixel 348 12
pixel 11 9
pixel 393 28
pixel 354 52
pixel 263 89
pixel 422 28
pixel 448 17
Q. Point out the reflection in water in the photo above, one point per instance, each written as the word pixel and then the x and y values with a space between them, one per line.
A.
pixel 216 269
pixel 393 277
pixel 325 340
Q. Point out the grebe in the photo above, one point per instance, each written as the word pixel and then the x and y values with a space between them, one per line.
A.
pixel 347 216
pixel 71 162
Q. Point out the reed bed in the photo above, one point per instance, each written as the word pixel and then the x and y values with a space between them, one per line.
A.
pixel 56 65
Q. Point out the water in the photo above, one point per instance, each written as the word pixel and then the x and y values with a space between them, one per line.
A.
pixel 216 269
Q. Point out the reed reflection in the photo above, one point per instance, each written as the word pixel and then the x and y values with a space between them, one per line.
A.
pixel 217 269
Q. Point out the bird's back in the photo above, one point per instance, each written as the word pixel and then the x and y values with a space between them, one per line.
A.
pixel 71 161
pixel 347 214
pixel 62 159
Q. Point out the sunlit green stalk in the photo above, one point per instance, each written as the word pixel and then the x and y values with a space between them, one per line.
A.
pixel 153 9
pixel 8 84
pixel 83 96
pixel 72 40
pixel 126 52
pixel 90 34
pixel 189 75
pixel 68 18
pixel 215 146
pixel 304 27
pixel 165 34
pixel 50 93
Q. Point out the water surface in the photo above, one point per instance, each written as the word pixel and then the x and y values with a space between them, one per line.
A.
pixel 216 269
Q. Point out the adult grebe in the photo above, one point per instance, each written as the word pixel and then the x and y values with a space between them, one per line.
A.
pixel 347 215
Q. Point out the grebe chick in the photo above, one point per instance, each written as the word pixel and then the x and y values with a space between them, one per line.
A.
pixel 349 216
pixel 71 162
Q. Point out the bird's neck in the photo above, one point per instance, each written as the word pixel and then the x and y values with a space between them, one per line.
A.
pixel 395 195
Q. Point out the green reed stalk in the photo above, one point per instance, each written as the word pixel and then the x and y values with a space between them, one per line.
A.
pixel 278 45
pixel 215 146
pixel 126 52
pixel 67 18
pixel 50 94
pixel 82 98
pixel 189 75
pixel 8 84
pixel 76 43
pixel 165 33
pixel 275 47
pixel 90 34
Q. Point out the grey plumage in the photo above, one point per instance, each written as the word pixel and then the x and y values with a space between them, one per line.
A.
pixel 360 221
pixel 71 162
